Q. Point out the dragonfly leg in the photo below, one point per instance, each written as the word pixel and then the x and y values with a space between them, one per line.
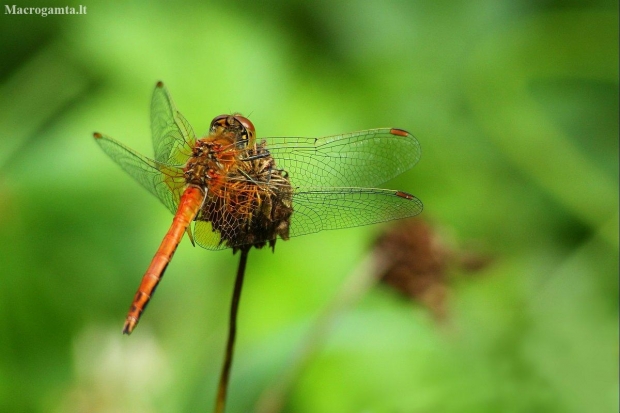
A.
pixel 257 156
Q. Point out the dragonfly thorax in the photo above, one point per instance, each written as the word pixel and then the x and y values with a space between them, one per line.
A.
pixel 208 160
pixel 248 200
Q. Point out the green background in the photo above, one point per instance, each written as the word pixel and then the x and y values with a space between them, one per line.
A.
pixel 515 104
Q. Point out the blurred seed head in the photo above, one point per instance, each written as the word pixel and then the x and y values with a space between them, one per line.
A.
pixel 421 264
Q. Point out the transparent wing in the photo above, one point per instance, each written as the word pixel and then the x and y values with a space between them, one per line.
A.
pixel 173 136
pixel 166 182
pixel 206 237
pixel 319 209
pixel 358 159
pixel 322 209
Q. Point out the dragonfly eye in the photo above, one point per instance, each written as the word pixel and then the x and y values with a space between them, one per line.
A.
pixel 220 121
pixel 247 136
pixel 240 126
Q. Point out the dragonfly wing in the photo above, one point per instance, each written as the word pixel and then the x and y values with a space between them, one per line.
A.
pixel 173 136
pixel 166 182
pixel 318 209
pixel 358 159
pixel 206 237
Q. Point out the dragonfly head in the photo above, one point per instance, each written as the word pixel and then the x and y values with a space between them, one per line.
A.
pixel 239 126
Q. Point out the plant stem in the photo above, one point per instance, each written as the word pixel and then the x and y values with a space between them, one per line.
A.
pixel 220 402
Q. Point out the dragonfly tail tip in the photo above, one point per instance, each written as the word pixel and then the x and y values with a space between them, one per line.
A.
pixel 128 327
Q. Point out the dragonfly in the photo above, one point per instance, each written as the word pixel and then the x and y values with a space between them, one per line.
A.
pixel 230 190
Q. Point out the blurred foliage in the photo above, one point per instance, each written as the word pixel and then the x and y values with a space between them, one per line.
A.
pixel 516 106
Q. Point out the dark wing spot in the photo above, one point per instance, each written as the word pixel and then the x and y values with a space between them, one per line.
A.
pixel 404 195
pixel 399 132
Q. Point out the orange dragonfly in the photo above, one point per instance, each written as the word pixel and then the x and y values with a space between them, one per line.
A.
pixel 239 192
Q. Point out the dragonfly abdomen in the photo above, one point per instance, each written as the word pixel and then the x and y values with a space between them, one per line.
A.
pixel 191 200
